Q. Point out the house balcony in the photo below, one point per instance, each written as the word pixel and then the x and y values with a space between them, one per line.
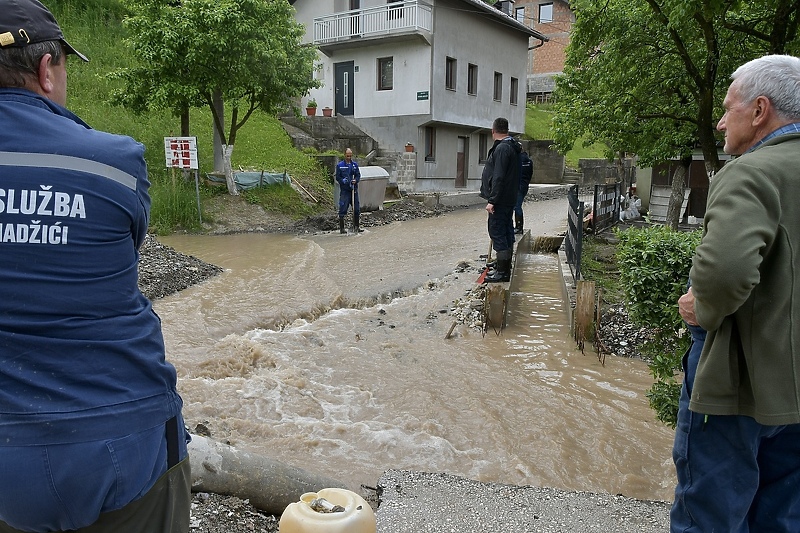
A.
pixel 402 20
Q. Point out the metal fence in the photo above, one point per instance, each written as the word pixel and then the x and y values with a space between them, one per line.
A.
pixel 606 206
pixel 574 239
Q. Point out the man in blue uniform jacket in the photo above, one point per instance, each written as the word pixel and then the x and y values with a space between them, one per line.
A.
pixel 348 175
pixel 91 434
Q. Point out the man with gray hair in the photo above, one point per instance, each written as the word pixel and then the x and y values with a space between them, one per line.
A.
pixel 91 434
pixel 737 442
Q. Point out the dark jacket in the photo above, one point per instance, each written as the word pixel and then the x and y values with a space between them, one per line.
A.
pixel 525 172
pixel 500 178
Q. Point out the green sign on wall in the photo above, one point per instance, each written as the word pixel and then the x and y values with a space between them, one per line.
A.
pixel 422 95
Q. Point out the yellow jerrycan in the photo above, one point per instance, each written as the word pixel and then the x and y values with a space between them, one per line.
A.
pixel 328 511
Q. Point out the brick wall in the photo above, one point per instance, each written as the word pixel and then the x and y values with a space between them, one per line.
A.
pixel 549 58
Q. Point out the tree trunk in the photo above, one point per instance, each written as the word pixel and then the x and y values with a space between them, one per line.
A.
pixel 219 157
pixel 676 197
pixel 185 121
pixel 270 485
pixel 227 151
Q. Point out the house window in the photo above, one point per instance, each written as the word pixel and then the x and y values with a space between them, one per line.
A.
pixel 472 79
pixel 430 143
pixel 513 99
pixel 498 86
pixel 450 74
pixel 519 14
pixel 396 10
pixel 545 13
pixel 483 150
pixel 385 73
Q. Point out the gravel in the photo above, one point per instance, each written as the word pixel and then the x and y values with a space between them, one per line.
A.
pixel 433 503
pixel 415 501
pixel 164 270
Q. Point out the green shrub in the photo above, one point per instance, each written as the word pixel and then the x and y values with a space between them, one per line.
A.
pixel 174 204
pixel 654 265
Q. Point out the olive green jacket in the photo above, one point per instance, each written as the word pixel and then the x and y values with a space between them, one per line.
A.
pixel 746 281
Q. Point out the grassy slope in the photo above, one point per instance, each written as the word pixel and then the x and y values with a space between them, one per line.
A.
pixel 537 126
pixel 95 28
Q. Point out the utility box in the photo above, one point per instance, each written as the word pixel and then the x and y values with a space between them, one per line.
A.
pixel 371 188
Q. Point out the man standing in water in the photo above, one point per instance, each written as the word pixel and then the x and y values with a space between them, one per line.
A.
pixel 499 187
pixel 348 175
pixel 91 434
pixel 737 443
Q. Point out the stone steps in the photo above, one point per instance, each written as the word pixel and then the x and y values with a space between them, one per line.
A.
pixel 572 177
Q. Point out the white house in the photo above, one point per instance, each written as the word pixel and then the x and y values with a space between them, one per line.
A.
pixel 434 74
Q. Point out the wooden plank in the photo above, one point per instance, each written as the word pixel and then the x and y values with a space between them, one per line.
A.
pixel 659 202
pixel 495 305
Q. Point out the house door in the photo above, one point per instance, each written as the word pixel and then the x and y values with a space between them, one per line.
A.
pixel 343 73
pixel 462 156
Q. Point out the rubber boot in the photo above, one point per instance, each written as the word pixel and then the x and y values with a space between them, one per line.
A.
pixel 341 225
pixel 502 272
pixel 356 227
pixel 519 220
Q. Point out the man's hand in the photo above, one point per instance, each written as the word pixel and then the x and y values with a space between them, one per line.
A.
pixel 686 308
pixel 490 208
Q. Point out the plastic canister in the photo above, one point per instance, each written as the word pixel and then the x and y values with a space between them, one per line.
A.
pixel 301 517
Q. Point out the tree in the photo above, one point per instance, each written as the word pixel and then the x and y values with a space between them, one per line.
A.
pixel 773 22
pixel 649 76
pixel 245 53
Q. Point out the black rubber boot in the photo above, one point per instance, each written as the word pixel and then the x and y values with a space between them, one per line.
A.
pixel 341 225
pixel 356 226
pixel 502 271
pixel 501 274
pixel 519 220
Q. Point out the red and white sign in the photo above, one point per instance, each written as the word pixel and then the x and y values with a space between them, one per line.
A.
pixel 181 152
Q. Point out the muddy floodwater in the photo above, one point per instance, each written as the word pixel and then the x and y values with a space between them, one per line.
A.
pixel 328 352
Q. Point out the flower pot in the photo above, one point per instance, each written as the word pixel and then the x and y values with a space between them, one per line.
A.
pixel 327 111
pixel 409 148
pixel 311 111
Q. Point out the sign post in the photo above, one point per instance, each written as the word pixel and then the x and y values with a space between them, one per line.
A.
pixel 181 152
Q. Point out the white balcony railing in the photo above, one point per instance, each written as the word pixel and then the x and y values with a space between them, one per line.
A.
pixel 386 19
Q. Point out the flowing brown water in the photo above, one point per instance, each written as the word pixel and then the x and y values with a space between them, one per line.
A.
pixel 269 360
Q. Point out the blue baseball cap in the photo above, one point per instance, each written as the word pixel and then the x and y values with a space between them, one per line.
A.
pixel 24 22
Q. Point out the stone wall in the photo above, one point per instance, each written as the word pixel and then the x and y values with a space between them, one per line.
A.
pixel 548 165
pixel 327 134
pixel 406 171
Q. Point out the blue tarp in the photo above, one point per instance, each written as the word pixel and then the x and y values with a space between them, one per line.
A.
pixel 252 179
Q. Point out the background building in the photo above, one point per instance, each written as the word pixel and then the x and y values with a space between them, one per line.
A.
pixel 433 74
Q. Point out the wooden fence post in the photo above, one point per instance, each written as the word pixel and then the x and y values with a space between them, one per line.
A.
pixel 584 312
